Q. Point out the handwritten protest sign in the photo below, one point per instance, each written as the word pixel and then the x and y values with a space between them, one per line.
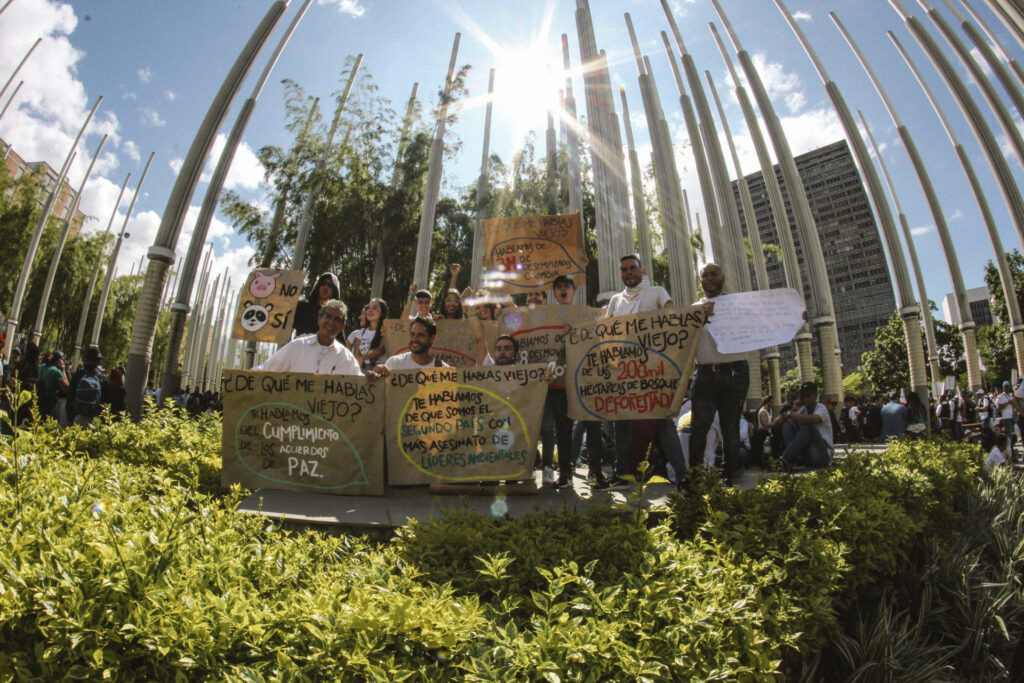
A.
pixel 301 432
pixel 455 344
pixel 463 424
pixel 749 321
pixel 541 332
pixel 632 367
pixel 266 308
pixel 527 253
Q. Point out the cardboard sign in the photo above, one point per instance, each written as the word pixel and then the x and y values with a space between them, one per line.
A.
pixel 632 367
pixel 541 332
pixel 266 308
pixel 301 432
pixel 455 344
pixel 527 253
pixel 463 424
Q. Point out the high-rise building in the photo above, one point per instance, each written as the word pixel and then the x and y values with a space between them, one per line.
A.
pixel 17 167
pixel 854 259
pixel 978 299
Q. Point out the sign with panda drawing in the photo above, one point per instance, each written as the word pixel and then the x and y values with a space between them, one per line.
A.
pixel 266 308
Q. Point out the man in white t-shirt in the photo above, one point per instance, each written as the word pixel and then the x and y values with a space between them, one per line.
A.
pixel 422 332
pixel 640 296
pixel 319 353
pixel 809 430
pixel 1006 408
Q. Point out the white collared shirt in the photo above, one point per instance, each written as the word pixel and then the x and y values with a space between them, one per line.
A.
pixel 306 354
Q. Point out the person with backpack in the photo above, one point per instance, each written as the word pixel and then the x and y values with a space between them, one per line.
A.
pixel 89 389
pixel 52 378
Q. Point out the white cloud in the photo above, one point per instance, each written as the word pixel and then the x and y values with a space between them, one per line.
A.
pixel 812 129
pixel 956 215
pixel 132 150
pixel 351 7
pixel 145 74
pixel 129 96
pixel 150 117
pixel 246 171
pixel 780 84
pixel 979 59
pixel 801 15
pixel 922 230
pixel 170 96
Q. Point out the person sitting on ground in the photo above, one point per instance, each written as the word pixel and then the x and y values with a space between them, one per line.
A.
pixel 90 389
pixel 319 353
pixel 807 430
pixel 894 418
pixel 1000 453
pixel 422 333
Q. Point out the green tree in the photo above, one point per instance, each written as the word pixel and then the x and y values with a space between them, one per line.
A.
pixel 994 341
pixel 856 384
pixel 886 365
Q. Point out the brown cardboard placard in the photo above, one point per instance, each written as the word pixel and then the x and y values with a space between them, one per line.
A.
pixel 266 307
pixel 526 253
pixel 302 432
pixel 463 424
pixel 541 333
pixel 455 344
pixel 632 367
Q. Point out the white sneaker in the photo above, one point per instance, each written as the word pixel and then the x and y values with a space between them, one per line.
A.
pixel 549 476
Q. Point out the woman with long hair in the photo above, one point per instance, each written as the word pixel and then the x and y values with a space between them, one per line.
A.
pixel 367 343
pixel 451 306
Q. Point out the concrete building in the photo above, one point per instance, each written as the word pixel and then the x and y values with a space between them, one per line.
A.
pixel 862 289
pixel 979 301
pixel 47 175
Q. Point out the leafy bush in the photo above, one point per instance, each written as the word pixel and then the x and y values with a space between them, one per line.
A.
pixel 124 559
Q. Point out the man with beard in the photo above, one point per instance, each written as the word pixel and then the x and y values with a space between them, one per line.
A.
pixel 421 337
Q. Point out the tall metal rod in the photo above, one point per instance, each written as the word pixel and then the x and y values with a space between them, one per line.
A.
pixel 33 245
pixel 643 237
pixel 972 112
pixel 1014 64
pixel 909 309
pixel 421 271
pixel 482 188
pixel 104 293
pixel 87 304
pixel 961 305
pixel 162 254
pixel 11 99
pixel 820 292
pixel 1010 14
pixel 187 363
pixel 571 181
pixel 37 329
pixel 299 252
pixel 754 235
pixel 1005 276
pixel 179 309
pixel 24 59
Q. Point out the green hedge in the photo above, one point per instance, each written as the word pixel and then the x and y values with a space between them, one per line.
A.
pixel 123 558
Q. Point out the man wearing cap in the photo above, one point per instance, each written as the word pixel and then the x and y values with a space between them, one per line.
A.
pixel 1006 409
pixel 807 430
pixel 720 383
pixel 90 389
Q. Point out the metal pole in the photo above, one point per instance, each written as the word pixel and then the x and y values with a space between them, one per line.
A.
pixel 80 334
pixel 101 307
pixel 1010 15
pixel 37 330
pixel 299 252
pixel 421 271
pixel 573 188
pixel 909 310
pixel 482 188
pixel 961 305
pixel 637 183
pixel 20 64
pixel 162 253
pixel 33 246
pixel 179 309
pixel 1005 276
pixel 11 99
pixel 1014 64
pixel 823 319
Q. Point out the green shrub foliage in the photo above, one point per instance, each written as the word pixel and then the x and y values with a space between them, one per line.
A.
pixel 123 559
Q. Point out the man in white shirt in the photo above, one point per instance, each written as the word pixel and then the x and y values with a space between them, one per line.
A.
pixel 720 383
pixel 808 435
pixel 422 332
pixel 640 296
pixel 1006 408
pixel 319 353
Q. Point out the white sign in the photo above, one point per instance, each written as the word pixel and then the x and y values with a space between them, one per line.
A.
pixel 749 321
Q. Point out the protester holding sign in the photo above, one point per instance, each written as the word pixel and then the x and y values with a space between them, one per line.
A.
pixel 640 296
pixel 319 353
pixel 422 333
pixel 307 312
pixel 720 384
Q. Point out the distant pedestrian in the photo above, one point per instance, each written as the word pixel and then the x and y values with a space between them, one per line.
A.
pixel 90 389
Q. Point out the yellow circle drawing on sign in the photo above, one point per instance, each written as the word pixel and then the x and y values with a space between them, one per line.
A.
pixel 438 387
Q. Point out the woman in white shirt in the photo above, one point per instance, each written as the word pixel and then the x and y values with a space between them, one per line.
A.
pixel 367 343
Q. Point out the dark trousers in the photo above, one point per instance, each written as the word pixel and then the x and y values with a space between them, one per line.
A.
pixel 722 388
pixel 557 428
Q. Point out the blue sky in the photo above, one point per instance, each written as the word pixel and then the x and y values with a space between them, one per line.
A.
pixel 158 64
